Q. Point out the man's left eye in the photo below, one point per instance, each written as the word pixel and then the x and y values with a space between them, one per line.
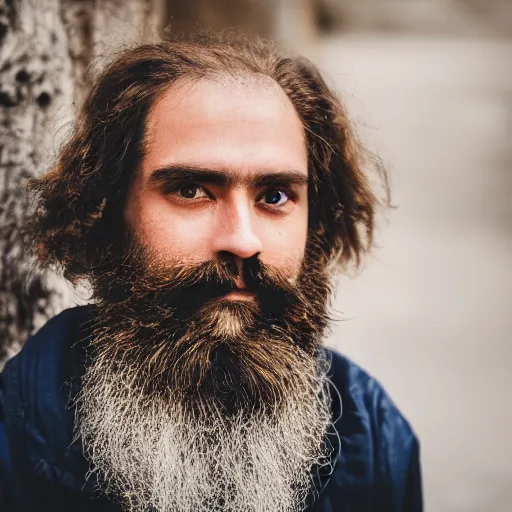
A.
pixel 275 197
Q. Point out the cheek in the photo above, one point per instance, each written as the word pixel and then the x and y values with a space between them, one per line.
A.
pixel 284 248
pixel 166 233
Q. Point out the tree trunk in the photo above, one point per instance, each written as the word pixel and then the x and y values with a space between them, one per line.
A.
pixel 46 47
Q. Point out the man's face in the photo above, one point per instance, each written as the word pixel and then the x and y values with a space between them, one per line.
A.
pixel 225 174
pixel 205 388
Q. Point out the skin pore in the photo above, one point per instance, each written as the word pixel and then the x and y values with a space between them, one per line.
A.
pixel 244 130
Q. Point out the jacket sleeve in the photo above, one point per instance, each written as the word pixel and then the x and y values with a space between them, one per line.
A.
pixel 401 458
pixel 5 460
pixel 403 455
pixel 413 501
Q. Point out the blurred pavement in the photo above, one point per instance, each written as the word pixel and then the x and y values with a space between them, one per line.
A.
pixel 431 315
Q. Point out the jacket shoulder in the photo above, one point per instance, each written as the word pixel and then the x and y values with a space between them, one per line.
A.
pixel 365 393
pixel 34 421
pixel 379 449
pixel 33 379
pixel 6 470
pixel 57 329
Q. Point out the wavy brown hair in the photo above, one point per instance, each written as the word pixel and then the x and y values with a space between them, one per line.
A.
pixel 77 205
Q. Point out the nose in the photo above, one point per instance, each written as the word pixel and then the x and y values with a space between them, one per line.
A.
pixel 235 234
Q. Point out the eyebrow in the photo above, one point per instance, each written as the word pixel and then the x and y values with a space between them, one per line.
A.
pixel 173 173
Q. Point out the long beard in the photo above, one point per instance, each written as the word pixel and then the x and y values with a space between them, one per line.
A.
pixel 190 402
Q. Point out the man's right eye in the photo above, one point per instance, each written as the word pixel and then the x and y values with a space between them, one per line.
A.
pixel 185 190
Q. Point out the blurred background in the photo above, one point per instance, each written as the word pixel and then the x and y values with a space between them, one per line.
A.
pixel 429 87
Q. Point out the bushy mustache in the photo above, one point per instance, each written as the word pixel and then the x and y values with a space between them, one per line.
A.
pixel 130 275
pixel 184 287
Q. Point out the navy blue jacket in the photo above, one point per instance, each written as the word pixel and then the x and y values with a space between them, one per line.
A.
pixel 374 465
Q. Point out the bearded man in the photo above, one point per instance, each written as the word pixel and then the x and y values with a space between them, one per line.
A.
pixel 208 191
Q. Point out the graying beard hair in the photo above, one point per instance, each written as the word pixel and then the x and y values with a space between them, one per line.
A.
pixel 149 451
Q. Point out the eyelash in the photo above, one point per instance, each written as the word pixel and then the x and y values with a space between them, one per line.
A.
pixel 172 189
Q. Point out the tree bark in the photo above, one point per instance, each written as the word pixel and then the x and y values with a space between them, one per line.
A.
pixel 46 50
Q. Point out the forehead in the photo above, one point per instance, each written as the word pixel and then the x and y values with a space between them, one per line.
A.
pixel 237 124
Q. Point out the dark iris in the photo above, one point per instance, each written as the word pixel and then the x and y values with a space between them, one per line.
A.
pixel 188 189
pixel 274 195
